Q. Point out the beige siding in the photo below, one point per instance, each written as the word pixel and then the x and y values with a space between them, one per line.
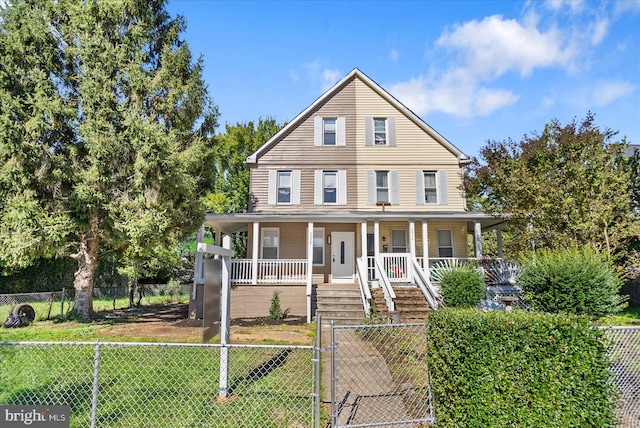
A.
pixel 297 151
pixel 251 301
pixel 415 150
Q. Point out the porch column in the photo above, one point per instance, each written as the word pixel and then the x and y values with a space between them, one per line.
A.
pixel 309 267
pixel 412 238
pixel 425 247
pixel 376 238
pixel 499 241
pixel 255 248
pixel 363 241
pixel 477 234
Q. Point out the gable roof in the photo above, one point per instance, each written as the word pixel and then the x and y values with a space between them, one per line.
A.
pixel 355 73
pixel 631 149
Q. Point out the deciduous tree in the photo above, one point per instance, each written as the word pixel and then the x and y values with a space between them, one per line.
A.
pixel 568 185
pixel 104 133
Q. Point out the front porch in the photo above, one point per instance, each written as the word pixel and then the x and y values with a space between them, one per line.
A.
pixel 384 253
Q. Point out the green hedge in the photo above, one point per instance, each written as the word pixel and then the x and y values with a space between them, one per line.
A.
pixel 576 280
pixel 462 286
pixel 518 369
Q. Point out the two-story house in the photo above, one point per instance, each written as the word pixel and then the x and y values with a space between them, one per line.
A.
pixel 356 189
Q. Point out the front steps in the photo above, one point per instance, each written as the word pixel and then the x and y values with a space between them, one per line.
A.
pixel 411 305
pixel 340 303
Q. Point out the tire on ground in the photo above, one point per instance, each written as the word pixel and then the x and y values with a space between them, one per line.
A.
pixel 25 310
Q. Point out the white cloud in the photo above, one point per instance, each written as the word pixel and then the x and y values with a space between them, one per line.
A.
pixel 494 46
pixel 394 55
pixel 318 74
pixel 610 91
pixel 556 5
pixel 627 6
pixel 454 94
pixel 599 31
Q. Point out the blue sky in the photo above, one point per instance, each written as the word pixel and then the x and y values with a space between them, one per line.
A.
pixel 474 71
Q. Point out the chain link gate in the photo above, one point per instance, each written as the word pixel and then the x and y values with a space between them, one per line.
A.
pixel 379 376
pixel 623 345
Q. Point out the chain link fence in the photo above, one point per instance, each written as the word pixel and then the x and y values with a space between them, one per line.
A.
pixel 380 376
pixel 624 352
pixel 46 305
pixel 52 304
pixel 162 385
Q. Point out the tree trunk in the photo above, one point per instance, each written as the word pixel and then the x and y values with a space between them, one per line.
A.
pixel 87 258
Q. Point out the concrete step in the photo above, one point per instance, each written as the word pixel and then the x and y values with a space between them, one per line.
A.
pixel 351 305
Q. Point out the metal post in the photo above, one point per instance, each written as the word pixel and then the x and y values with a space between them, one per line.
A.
pixel 94 392
pixel 224 320
pixel 318 357
pixel 334 418
pixel 62 303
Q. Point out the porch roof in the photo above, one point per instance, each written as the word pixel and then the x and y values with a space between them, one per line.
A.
pixel 229 223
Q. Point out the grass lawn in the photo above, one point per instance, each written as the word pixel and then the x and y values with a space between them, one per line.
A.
pixel 629 316
pixel 160 386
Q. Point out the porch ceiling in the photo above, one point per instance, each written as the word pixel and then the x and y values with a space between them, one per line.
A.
pixel 229 223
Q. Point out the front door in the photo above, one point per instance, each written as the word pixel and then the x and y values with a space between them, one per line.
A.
pixel 342 256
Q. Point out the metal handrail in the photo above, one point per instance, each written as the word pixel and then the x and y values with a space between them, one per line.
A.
pixel 387 290
pixel 365 293
pixel 425 285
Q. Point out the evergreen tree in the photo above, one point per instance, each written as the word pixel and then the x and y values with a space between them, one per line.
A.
pixel 105 126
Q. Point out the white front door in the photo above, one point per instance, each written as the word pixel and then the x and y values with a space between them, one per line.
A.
pixel 342 256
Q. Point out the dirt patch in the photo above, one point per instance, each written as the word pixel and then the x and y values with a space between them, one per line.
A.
pixel 170 323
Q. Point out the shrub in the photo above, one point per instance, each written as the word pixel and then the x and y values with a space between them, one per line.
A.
pixel 275 311
pixel 462 284
pixel 518 369
pixel 577 281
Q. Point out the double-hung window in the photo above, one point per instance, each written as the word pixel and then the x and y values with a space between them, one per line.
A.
pixel 318 246
pixel 330 187
pixel 284 187
pixel 382 186
pixel 270 242
pixel 329 131
pixel 445 243
pixel 430 187
pixel 380 131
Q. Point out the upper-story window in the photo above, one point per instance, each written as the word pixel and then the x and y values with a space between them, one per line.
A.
pixel 380 131
pixel 382 186
pixel 330 187
pixel 329 131
pixel 284 187
pixel 430 187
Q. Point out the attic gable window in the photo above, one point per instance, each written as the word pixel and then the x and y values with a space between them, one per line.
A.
pixel 380 131
pixel 329 131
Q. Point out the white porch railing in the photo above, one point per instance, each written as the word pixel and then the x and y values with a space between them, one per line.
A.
pixel 387 289
pixel 397 267
pixel 363 282
pixel 270 271
pixel 424 284
pixel 434 260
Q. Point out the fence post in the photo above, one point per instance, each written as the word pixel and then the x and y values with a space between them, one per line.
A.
pixel 94 393
pixel 64 292
pixel 334 419
pixel 318 357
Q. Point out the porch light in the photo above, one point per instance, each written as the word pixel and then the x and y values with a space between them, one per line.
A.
pixel 384 239
pixel 328 239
